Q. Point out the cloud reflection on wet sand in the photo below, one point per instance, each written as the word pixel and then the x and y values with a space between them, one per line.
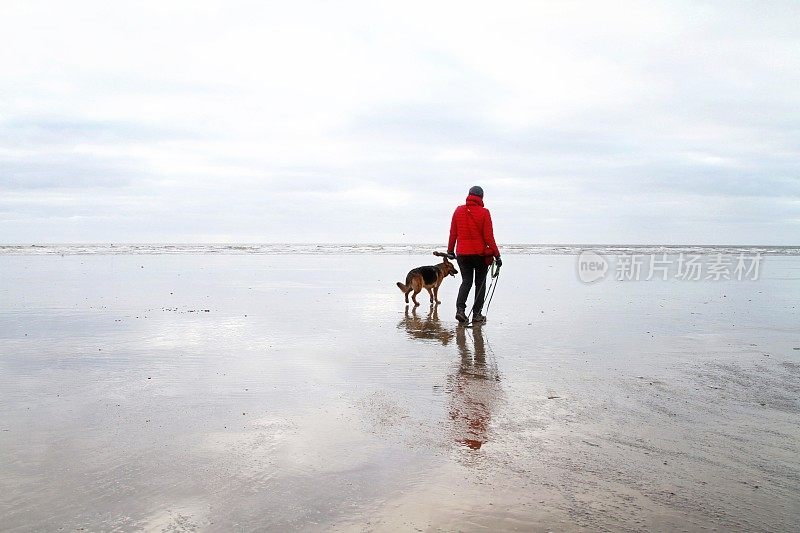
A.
pixel 308 396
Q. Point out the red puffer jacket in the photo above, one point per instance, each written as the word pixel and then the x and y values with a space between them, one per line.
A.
pixel 472 228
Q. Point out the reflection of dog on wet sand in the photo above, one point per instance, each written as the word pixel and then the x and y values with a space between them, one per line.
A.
pixel 429 277
pixel 428 328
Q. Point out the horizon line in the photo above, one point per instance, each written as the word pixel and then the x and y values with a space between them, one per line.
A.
pixel 370 243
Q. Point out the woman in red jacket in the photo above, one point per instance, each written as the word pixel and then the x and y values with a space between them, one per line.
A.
pixel 471 229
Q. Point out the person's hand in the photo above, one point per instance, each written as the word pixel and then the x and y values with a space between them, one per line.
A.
pixel 451 255
pixel 498 261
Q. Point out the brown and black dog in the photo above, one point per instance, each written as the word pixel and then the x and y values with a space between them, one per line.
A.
pixel 429 277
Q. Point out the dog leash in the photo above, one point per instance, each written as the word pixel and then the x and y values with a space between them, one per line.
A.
pixel 492 286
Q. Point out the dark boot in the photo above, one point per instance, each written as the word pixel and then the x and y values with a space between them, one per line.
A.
pixel 461 315
pixel 478 318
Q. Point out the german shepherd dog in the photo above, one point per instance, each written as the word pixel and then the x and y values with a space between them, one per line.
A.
pixel 429 277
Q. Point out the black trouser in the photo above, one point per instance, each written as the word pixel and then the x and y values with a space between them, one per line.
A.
pixel 472 266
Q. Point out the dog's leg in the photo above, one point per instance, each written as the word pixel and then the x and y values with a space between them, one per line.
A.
pixel 409 290
pixel 414 296
pixel 436 294
pixel 430 293
pixel 416 284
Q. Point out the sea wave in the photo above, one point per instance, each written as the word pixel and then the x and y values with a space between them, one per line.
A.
pixel 383 249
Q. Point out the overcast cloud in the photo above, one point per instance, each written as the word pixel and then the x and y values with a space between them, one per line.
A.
pixel 585 122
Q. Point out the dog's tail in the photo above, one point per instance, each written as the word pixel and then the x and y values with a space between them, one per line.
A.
pixel 402 287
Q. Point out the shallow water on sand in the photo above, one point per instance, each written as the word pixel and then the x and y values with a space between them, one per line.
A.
pixel 294 392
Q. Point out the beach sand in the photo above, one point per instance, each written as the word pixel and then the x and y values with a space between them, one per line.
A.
pixel 241 393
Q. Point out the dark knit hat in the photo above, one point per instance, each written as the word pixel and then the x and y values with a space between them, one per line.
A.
pixel 477 191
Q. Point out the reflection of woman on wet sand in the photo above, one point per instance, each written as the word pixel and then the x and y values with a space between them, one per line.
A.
pixel 474 390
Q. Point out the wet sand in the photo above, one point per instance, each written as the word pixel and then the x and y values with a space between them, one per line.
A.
pixel 241 393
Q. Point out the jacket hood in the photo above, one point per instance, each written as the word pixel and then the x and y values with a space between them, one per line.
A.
pixel 474 199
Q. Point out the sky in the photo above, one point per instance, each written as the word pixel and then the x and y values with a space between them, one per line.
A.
pixel 585 122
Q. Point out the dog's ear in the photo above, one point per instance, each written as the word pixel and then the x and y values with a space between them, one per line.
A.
pixel 444 260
